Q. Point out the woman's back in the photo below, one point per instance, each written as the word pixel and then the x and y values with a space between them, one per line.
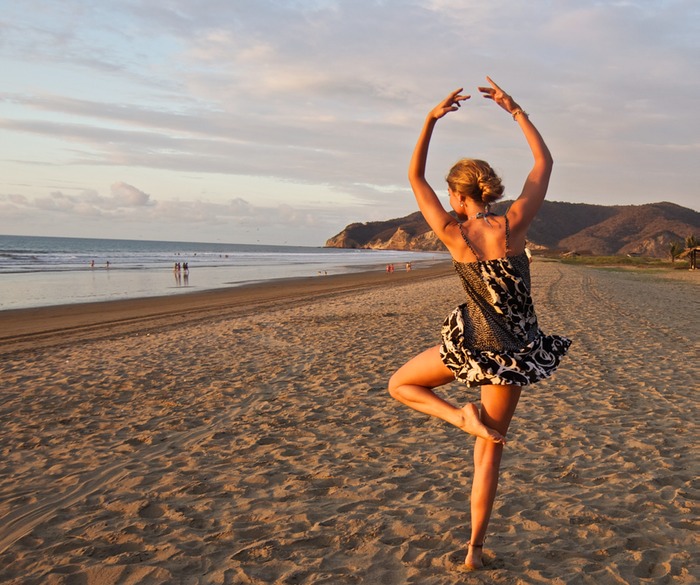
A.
pixel 479 239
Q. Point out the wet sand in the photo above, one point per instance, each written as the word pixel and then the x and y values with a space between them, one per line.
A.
pixel 246 436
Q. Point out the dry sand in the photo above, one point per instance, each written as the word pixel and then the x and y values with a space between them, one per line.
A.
pixel 247 437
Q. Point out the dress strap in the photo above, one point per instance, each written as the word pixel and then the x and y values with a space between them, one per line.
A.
pixel 507 234
pixel 466 240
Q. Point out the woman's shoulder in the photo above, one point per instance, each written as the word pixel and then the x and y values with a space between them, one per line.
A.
pixel 455 240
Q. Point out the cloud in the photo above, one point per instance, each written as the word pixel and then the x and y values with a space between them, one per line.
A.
pixel 55 201
pixel 127 203
pixel 18 200
pixel 125 195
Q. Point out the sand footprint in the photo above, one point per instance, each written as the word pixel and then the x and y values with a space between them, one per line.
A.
pixel 151 510
pixel 651 567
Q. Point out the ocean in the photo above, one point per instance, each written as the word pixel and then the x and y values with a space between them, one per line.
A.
pixel 43 271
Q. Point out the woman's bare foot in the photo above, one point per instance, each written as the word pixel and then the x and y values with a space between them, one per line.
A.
pixel 471 423
pixel 474 560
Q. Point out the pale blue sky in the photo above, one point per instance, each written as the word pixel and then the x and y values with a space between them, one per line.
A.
pixel 283 121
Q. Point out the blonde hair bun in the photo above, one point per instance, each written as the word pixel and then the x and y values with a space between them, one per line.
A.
pixel 475 179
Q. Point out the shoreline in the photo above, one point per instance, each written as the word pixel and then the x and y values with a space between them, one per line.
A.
pixel 34 327
pixel 48 271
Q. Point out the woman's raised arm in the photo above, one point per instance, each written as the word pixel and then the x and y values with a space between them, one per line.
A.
pixel 429 204
pixel 524 209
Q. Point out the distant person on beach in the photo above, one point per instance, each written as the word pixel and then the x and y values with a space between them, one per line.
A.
pixel 493 340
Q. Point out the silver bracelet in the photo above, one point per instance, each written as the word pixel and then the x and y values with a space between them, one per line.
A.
pixel 519 111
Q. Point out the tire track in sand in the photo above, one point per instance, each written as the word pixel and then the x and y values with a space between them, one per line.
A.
pixel 613 311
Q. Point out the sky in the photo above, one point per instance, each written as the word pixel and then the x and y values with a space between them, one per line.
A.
pixel 282 121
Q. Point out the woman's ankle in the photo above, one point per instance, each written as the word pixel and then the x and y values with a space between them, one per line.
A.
pixel 474 558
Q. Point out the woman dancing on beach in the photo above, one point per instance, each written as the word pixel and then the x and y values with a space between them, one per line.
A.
pixel 493 339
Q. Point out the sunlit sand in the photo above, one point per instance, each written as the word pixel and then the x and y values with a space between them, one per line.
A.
pixel 229 439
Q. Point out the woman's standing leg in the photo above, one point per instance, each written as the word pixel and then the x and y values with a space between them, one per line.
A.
pixel 497 407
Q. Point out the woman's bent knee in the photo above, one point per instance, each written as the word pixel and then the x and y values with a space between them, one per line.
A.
pixel 425 370
pixel 394 386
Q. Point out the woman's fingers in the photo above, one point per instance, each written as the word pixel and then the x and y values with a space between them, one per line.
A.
pixel 454 98
pixel 494 90
pixel 450 104
pixel 493 83
pixel 499 96
pixel 487 92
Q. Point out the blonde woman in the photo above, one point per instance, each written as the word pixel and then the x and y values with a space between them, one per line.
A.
pixel 493 340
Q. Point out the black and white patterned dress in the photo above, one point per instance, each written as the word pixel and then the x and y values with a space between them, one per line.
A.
pixel 494 338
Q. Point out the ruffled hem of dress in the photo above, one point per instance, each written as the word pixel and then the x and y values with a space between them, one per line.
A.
pixel 536 361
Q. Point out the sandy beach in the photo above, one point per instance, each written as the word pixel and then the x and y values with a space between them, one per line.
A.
pixel 245 436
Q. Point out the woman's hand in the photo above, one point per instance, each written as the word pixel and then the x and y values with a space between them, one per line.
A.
pixel 499 96
pixel 450 104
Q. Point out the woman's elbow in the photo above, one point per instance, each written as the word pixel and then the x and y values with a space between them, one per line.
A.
pixel 415 178
pixel 544 165
pixel 544 160
pixel 548 158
